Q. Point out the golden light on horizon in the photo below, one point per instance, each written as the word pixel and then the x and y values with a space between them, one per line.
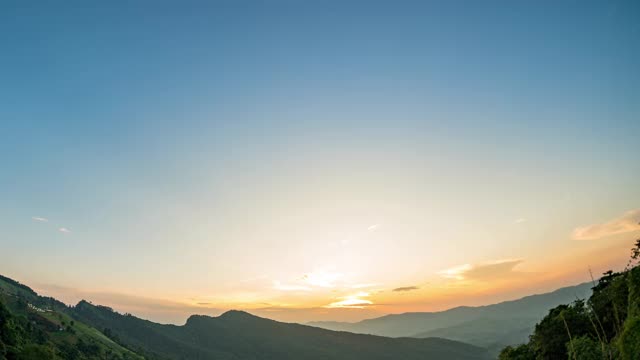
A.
pixel 356 301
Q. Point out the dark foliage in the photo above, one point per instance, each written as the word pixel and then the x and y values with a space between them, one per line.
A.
pixel 554 331
pixel 607 326
pixel 520 352
pixel 26 333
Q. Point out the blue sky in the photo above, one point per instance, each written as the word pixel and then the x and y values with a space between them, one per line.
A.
pixel 176 140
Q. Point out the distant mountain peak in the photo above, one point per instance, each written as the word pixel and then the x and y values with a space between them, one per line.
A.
pixel 231 315
pixel 236 313
pixel 239 315
pixel 83 302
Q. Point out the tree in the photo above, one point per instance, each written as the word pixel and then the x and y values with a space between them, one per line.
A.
pixel 90 349
pixel 3 350
pixel 10 333
pixel 563 323
pixel 609 303
pixel 587 348
pixel 520 352
pixel 635 251
pixel 68 351
pixel 629 342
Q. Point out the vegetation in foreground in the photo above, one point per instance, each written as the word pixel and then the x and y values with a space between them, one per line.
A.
pixel 40 328
pixel 605 327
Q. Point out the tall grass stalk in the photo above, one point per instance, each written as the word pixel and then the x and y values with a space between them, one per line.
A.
pixel 573 350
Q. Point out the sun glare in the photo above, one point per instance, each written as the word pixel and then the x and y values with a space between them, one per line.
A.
pixel 352 301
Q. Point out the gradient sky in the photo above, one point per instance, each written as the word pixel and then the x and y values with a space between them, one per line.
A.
pixel 315 160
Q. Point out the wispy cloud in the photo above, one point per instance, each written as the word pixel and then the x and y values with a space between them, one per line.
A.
pixel 626 223
pixel 352 301
pixel 406 288
pixel 520 220
pixel 485 271
pixel 456 272
pixel 45 220
pixel 373 227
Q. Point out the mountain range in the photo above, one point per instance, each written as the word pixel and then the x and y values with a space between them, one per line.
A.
pixel 44 328
pixel 491 326
pixel 460 333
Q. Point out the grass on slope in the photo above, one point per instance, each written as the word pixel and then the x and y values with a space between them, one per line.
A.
pixel 33 330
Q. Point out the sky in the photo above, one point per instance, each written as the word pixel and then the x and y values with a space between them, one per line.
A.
pixel 316 160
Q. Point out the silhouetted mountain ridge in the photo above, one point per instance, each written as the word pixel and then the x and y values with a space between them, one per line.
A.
pixel 241 335
pixel 463 332
pixel 492 326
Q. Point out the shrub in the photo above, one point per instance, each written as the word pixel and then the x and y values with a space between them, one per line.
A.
pixel 587 348
pixel 36 352
pixel 629 341
pixel 520 352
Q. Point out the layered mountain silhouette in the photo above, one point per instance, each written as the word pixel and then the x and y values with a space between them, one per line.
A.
pixel 459 333
pixel 492 326
pixel 240 335
pixel 234 335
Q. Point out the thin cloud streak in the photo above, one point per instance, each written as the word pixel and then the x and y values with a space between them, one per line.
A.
pixel 355 301
pixel 626 223
pixel 405 288
pixel 45 220
pixel 486 271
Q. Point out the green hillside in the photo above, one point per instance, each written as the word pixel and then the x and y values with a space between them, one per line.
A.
pixel 41 328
